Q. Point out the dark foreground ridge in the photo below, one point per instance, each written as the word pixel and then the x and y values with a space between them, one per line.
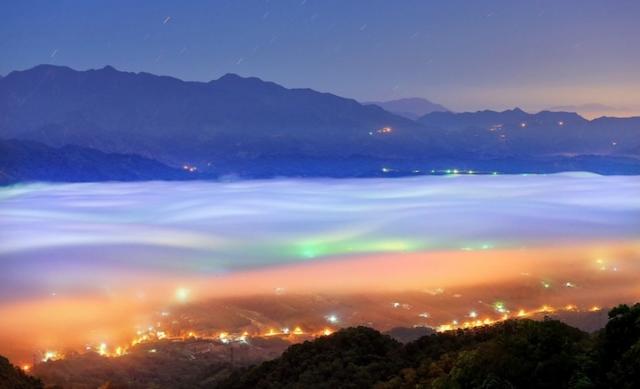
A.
pixel 520 353
pixel 12 377
pixel 512 354
pixel 28 161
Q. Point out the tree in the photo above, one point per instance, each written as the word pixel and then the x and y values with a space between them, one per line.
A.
pixel 12 377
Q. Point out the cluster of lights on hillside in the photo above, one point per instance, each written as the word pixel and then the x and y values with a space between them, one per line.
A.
pixel 381 131
pixel 154 334
pixel 500 127
pixel 473 319
pixel 189 168
pixel 296 334
pixel 506 315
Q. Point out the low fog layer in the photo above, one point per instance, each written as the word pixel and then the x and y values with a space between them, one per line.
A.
pixel 89 263
pixel 97 236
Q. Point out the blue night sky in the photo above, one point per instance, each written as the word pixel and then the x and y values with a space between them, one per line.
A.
pixel 467 55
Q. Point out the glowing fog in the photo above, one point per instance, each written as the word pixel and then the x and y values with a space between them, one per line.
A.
pixel 136 246
pixel 51 232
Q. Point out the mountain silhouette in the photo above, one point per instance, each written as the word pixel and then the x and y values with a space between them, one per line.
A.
pixel 516 132
pixel 177 122
pixel 24 161
pixel 411 108
pixel 244 125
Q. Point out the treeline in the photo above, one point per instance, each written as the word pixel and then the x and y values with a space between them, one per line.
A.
pixel 513 354
pixel 11 377
pixel 518 353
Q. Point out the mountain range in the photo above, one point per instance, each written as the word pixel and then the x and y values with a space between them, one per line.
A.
pixel 519 133
pixel 247 126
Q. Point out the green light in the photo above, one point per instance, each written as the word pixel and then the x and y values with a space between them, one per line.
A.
pixel 320 249
pixel 499 306
pixel 309 253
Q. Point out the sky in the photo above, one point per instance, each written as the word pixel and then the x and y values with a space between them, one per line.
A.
pixel 467 55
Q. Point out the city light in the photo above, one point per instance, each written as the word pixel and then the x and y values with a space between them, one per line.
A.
pixel 50 356
pixel 333 319
pixel 182 294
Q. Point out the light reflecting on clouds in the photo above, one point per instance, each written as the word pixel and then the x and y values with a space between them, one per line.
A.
pixel 79 235
pixel 85 263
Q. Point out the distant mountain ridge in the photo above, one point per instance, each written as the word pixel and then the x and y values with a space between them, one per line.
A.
pixel 517 132
pixel 411 107
pixel 596 110
pixel 244 124
pixel 584 107
pixel 176 121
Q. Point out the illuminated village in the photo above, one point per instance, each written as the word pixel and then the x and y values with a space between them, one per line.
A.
pixel 171 327
pixel 153 335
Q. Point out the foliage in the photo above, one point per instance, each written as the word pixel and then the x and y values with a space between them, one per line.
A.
pixel 512 354
pixel 12 377
pixel 351 358
pixel 617 350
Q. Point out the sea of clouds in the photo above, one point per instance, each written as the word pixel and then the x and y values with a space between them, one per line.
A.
pixel 72 235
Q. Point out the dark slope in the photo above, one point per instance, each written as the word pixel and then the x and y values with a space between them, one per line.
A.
pixel 350 358
pixel 12 377
pixel 513 354
pixel 523 353
pixel 23 161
